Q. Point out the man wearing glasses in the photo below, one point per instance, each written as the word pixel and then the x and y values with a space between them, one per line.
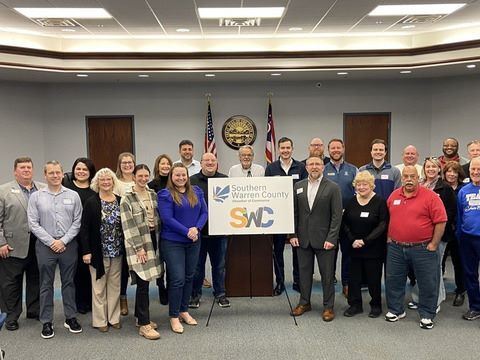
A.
pixel 317 148
pixel 246 168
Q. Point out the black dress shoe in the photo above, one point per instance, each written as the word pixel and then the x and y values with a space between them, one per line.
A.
pixel 352 311
pixel 11 325
pixel 279 289
pixel 459 299
pixel 375 312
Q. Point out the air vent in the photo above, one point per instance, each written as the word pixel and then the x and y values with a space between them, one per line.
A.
pixel 242 22
pixel 421 19
pixel 49 22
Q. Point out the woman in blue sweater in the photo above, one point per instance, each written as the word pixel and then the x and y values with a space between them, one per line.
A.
pixel 183 212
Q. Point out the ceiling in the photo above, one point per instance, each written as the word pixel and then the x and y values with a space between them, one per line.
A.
pixel 338 27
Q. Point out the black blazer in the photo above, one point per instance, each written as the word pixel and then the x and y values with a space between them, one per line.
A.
pixel 447 195
pixel 90 238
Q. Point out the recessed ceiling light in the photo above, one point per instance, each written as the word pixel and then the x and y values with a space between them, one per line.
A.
pixel 408 26
pixel 82 75
pixel 295 29
pixel 241 12
pixel 209 75
pixel 379 22
pixel 275 74
pixel 182 30
pixel 471 66
pixel 58 13
pixel 143 75
pixel 422 9
pixel 68 30
pixel 406 72
pixel 342 73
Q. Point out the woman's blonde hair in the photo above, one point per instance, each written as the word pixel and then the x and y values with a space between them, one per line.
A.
pixel 364 176
pixel 103 172
pixel 177 195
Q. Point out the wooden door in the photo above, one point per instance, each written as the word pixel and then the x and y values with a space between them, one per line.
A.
pixel 359 131
pixel 107 137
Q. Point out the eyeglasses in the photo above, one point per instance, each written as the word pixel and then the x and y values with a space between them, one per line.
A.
pixel 246 155
pixel 431 158
pixel 316 145
pixel 126 163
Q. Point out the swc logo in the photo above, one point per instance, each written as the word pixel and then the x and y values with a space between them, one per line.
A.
pixel 261 218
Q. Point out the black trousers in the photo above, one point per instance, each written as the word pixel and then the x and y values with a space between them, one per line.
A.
pixel 142 300
pixel 11 284
pixel 369 270
pixel 83 286
pixel 454 250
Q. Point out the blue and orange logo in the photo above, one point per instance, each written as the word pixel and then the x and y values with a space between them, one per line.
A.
pixel 260 218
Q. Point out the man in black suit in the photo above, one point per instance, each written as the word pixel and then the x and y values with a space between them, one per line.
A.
pixel 318 215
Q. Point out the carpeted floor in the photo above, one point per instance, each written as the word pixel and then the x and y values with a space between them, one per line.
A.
pixel 258 328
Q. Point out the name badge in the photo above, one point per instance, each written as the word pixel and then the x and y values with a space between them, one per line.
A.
pixel 299 191
pixel 331 174
pixel 384 177
pixel 15 191
pixel 397 202
pixel 364 214
pixel 295 176
pixel 67 201
pixel 346 173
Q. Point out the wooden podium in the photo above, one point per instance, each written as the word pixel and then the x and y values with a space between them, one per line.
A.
pixel 249 266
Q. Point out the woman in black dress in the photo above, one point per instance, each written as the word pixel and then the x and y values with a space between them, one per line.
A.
pixel 364 224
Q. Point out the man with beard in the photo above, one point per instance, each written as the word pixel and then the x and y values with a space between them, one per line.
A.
pixel 450 152
pixel 417 224
pixel 318 215
pixel 185 149
pixel 246 168
pixel 316 148
pixel 342 173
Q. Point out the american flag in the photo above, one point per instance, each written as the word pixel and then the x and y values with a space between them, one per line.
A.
pixel 210 145
pixel 270 144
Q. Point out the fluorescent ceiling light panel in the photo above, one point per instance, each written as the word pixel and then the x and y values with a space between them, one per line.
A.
pixel 421 9
pixel 58 13
pixel 243 12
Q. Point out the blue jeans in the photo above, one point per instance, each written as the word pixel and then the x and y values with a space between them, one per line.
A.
pixel 425 265
pixel 181 259
pixel 216 247
pixel 470 252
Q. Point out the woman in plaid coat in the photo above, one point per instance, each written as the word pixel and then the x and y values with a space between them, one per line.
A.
pixel 140 223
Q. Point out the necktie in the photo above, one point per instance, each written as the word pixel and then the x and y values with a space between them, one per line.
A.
pixel 249 173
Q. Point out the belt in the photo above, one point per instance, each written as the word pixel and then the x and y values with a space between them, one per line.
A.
pixel 413 244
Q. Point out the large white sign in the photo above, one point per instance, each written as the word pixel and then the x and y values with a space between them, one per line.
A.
pixel 250 205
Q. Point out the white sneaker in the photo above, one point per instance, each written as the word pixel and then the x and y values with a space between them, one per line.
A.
pixel 391 317
pixel 426 324
pixel 412 305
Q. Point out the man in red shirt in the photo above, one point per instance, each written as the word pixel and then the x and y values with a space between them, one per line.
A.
pixel 417 223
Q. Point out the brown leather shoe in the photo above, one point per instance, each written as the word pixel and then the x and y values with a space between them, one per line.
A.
pixel 300 309
pixel 123 306
pixel 328 315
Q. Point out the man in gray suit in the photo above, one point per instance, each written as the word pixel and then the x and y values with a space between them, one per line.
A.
pixel 318 215
pixel 17 245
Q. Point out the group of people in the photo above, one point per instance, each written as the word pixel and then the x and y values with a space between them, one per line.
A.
pixel 103 228
pixel 403 216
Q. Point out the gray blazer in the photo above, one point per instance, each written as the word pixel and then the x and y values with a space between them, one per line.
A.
pixel 14 229
pixel 321 223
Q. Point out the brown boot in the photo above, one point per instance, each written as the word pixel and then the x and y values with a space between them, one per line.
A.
pixel 123 306
pixel 148 332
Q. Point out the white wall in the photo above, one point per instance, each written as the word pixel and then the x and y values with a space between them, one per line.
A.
pixel 21 127
pixel 166 113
